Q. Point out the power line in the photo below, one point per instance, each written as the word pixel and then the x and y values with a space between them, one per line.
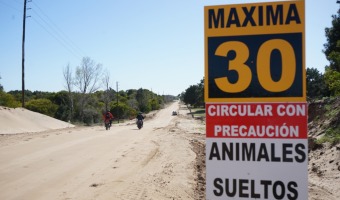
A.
pixel 59 31
pixel 45 22
pixel 41 18
pixel 58 40
pixel 18 2
pixel 55 34
pixel 10 6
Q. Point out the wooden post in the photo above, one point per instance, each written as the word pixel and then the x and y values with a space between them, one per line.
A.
pixel 23 57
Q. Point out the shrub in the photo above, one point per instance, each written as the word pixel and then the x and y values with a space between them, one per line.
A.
pixel 332 136
pixel 43 106
pixel 91 116
pixel 8 100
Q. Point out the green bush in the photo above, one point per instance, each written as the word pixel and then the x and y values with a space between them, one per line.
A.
pixel 91 116
pixel 63 113
pixel 332 79
pixel 123 110
pixel 155 104
pixel 43 106
pixel 332 136
pixel 8 100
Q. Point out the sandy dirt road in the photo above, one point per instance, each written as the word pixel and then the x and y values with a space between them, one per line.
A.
pixel 156 162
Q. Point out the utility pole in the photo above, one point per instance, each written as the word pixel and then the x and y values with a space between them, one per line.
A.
pixel 23 57
pixel 117 102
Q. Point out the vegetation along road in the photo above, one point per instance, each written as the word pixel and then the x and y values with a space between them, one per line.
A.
pixel 156 162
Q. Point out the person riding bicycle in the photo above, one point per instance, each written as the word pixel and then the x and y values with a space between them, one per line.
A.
pixel 108 116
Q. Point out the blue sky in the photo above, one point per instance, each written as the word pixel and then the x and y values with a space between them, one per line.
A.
pixel 152 44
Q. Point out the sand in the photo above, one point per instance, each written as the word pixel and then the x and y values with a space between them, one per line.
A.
pixel 44 158
pixel 20 120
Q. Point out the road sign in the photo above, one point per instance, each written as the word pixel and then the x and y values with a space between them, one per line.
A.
pixel 256 151
pixel 254 52
pixel 255 93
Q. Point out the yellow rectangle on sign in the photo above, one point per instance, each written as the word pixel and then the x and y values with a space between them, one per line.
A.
pixel 260 18
pixel 255 52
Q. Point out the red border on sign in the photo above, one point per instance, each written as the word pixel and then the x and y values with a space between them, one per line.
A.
pixel 257 120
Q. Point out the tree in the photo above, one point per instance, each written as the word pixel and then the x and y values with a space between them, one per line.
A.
pixel 332 52
pixel 194 95
pixel 107 94
pixel 1 87
pixel 332 79
pixel 69 86
pixel 29 95
pixel 332 47
pixel 121 108
pixel 200 94
pixel 190 95
pixel 86 80
pixel 154 103
pixel 143 100
pixel 316 86
pixel 63 101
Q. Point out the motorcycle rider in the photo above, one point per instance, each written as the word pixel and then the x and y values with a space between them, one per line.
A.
pixel 140 117
pixel 108 116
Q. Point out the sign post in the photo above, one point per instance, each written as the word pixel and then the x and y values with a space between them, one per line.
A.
pixel 255 93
